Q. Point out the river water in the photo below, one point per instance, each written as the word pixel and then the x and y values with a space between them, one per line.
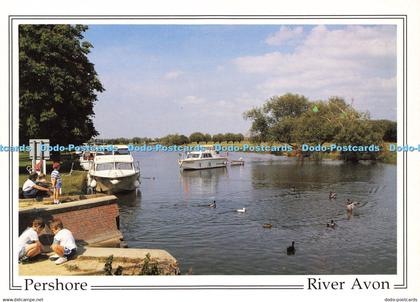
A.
pixel 172 213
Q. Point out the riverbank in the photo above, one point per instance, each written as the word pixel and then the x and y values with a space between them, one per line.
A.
pixel 91 261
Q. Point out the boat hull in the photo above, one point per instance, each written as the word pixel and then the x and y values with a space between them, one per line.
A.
pixel 200 164
pixel 117 184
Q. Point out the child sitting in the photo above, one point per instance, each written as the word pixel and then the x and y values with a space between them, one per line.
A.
pixel 29 245
pixel 64 244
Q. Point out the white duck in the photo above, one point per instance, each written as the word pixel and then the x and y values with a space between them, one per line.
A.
pixel 243 210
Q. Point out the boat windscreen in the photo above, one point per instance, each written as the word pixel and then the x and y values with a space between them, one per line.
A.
pixel 105 166
pixel 122 152
pixel 123 166
pixel 193 155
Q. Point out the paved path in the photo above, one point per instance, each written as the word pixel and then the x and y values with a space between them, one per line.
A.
pixel 91 261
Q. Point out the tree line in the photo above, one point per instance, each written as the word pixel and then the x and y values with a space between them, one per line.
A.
pixel 176 139
pixel 293 119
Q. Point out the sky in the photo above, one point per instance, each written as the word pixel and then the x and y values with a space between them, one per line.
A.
pixel 163 79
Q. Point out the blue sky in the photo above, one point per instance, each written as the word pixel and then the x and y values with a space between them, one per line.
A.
pixel 162 79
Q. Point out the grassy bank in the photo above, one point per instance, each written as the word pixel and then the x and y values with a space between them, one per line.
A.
pixel 72 184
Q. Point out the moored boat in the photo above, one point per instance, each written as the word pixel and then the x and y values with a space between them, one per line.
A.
pixel 206 158
pixel 114 172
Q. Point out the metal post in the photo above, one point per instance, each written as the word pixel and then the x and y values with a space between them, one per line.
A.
pixel 34 158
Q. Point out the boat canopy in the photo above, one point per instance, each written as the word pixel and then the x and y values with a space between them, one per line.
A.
pixel 113 158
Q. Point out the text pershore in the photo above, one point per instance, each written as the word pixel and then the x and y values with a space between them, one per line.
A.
pixel 30 284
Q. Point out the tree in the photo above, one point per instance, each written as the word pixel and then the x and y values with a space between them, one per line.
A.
pixel 291 118
pixel 57 84
pixel 387 128
pixel 358 132
pixel 230 137
pixel 322 121
pixel 218 138
pixel 259 128
pixel 275 120
pixel 207 138
pixel 239 137
pixel 197 137
pixel 285 106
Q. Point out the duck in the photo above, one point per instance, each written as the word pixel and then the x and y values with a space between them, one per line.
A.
pixel 291 249
pixel 243 210
pixel 351 205
pixel 332 195
pixel 212 205
pixel 267 225
pixel 331 224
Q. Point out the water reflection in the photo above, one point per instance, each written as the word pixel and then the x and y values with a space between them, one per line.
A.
pixel 203 181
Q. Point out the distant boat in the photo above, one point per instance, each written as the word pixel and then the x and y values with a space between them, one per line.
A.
pixel 207 158
pixel 239 162
pixel 114 172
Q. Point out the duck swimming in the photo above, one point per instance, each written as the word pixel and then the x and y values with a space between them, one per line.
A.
pixel 243 210
pixel 331 224
pixel 291 249
pixel 212 205
pixel 267 225
pixel 351 205
pixel 332 195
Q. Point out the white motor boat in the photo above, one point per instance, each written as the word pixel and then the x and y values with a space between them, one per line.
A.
pixel 114 172
pixel 86 159
pixel 207 158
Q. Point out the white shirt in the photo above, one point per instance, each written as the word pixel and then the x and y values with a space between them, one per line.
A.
pixel 27 186
pixel 27 237
pixel 65 238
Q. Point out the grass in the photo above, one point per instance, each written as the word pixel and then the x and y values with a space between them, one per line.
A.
pixel 73 184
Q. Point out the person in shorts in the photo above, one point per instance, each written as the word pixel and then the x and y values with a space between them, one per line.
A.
pixel 29 245
pixel 56 182
pixel 64 244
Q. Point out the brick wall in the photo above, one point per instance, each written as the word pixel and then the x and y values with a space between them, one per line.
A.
pixel 90 221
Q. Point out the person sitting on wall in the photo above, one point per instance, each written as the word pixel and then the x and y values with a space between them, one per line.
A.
pixel 31 190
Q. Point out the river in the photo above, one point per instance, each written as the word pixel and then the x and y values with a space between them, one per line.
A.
pixel 172 213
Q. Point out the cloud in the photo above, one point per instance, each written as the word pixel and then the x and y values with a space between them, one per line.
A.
pixel 285 34
pixel 355 62
pixel 191 100
pixel 172 75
